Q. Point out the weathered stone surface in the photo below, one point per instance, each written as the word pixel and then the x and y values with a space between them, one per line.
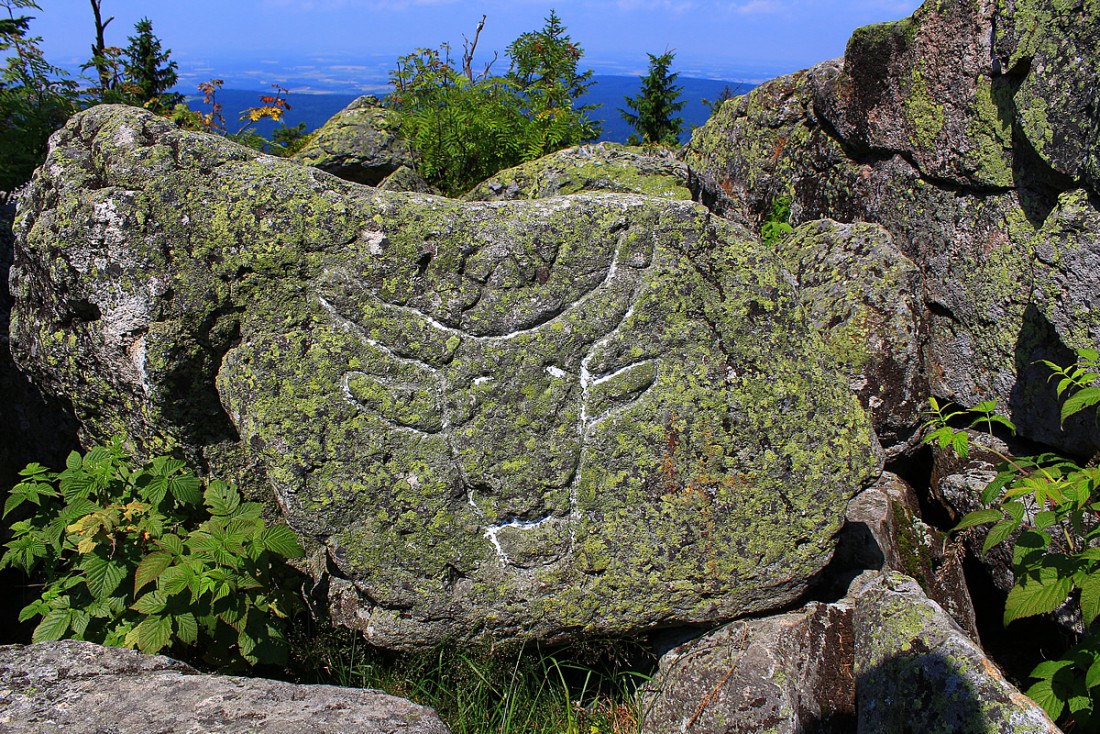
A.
pixel 359 144
pixel 80 688
pixel 884 659
pixel 916 670
pixel 924 87
pixel 883 531
pixel 922 130
pixel 526 419
pixel 770 143
pixel 863 295
pixel 406 179
pixel 786 674
pixel 608 167
pixel 1047 52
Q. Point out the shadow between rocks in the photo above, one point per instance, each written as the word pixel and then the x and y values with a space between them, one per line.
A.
pixel 33 427
pixel 917 693
pixel 1034 403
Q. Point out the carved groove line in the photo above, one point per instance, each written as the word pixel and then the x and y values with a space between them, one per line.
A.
pixel 585 377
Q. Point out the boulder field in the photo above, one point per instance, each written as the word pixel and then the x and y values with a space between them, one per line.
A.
pixel 588 399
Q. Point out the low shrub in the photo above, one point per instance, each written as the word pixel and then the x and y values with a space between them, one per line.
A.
pixel 151 557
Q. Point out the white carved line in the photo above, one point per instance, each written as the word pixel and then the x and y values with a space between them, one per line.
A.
pixel 585 377
pixel 492 530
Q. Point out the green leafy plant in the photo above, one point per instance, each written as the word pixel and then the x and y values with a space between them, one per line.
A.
pixel 466 126
pixel 1049 506
pixel 36 97
pixel 777 225
pixel 544 73
pixel 150 557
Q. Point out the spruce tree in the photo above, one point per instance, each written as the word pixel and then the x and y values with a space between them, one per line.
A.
pixel 150 74
pixel 651 112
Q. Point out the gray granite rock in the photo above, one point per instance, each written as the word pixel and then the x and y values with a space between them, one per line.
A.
pixel 79 688
pixel 917 671
pixel 360 143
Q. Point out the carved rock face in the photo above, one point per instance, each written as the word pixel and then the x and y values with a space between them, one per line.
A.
pixel 496 420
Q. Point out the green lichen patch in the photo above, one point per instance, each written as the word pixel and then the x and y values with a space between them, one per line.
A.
pixel 590 168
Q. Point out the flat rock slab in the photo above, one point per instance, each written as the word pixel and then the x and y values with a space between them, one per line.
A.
pixel 528 419
pixel 80 688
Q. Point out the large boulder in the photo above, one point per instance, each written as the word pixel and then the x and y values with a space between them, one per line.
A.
pixel 495 420
pixel 939 129
pixel 360 143
pixel 80 688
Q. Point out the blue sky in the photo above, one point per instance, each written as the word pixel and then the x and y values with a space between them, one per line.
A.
pixel 347 39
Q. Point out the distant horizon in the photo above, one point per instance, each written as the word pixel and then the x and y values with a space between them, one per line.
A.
pixel 324 46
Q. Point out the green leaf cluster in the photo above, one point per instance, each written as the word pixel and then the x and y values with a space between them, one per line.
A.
pixel 466 127
pixel 36 97
pixel 1048 506
pixel 777 225
pixel 151 557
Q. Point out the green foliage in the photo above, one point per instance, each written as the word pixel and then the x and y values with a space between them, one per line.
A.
pixel 483 691
pixel 544 72
pixel 1051 505
pixel 777 225
pixel 651 112
pixel 149 72
pixel 35 97
pixel 150 557
pixel 462 130
pixel 466 127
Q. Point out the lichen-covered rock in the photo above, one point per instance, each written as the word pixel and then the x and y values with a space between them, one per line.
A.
pixel 769 144
pixel 406 179
pixel 863 295
pixel 786 674
pixel 883 659
pixel 924 87
pixel 608 167
pixel 499 420
pixel 883 531
pixel 921 130
pixel 1047 53
pixel 916 670
pixel 360 143
pixel 79 688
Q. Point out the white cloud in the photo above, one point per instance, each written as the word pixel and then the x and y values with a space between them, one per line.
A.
pixel 757 7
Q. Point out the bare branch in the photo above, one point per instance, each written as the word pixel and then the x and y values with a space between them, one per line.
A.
pixel 468 49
